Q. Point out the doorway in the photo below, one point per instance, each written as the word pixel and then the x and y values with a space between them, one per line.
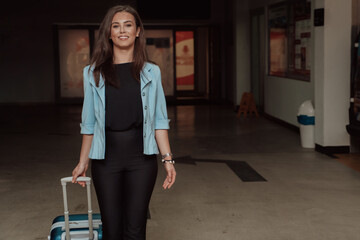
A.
pixel 183 61
pixel 257 39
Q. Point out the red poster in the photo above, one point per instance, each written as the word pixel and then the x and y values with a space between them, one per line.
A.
pixel 185 60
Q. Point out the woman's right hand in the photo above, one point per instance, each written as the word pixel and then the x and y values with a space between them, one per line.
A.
pixel 79 171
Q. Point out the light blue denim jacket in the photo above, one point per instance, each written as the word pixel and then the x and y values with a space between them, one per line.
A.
pixel 153 102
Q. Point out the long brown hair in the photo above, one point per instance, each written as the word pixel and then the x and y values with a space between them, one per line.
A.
pixel 102 57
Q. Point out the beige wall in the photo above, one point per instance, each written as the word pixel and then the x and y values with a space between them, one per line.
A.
pixel 332 73
pixel 329 86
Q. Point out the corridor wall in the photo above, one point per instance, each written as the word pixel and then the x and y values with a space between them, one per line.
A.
pixel 282 96
pixel 329 86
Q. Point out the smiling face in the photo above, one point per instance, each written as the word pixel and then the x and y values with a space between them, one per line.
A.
pixel 124 31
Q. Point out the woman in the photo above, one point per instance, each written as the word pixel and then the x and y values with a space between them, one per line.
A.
pixel 124 123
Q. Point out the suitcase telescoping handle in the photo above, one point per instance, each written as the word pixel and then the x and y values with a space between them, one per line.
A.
pixel 64 181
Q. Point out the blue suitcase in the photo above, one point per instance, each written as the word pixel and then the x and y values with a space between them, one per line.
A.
pixel 76 226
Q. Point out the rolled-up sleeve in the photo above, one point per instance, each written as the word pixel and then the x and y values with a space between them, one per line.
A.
pixel 88 114
pixel 161 118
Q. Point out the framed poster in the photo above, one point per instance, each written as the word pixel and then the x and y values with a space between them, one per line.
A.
pixel 278 22
pixel 290 39
pixel 74 55
pixel 185 68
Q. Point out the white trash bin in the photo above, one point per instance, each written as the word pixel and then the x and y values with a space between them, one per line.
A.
pixel 306 119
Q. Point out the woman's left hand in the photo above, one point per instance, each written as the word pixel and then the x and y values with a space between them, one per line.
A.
pixel 171 175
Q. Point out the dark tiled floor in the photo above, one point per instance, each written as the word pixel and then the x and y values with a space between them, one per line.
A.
pixel 306 195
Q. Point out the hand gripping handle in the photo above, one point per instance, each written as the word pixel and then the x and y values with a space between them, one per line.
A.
pixel 79 179
pixel 64 181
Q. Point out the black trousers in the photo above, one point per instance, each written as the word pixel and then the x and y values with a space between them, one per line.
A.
pixel 124 182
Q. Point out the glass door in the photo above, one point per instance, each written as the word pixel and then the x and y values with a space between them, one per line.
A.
pixel 160 50
pixel 72 50
pixel 182 54
pixel 74 55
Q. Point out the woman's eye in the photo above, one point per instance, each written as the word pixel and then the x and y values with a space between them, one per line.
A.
pixel 128 25
pixel 115 26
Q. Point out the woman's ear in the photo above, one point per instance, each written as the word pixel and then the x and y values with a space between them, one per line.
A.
pixel 137 31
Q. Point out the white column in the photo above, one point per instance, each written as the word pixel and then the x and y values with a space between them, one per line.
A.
pixel 331 73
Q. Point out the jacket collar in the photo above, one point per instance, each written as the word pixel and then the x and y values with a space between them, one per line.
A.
pixel 92 79
pixel 145 77
pixel 100 90
pixel 101 81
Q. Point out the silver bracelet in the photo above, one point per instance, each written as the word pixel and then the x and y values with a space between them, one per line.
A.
pixel 169 161
pixel 167 155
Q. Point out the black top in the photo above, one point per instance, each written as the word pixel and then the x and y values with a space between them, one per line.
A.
pixel 123 109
